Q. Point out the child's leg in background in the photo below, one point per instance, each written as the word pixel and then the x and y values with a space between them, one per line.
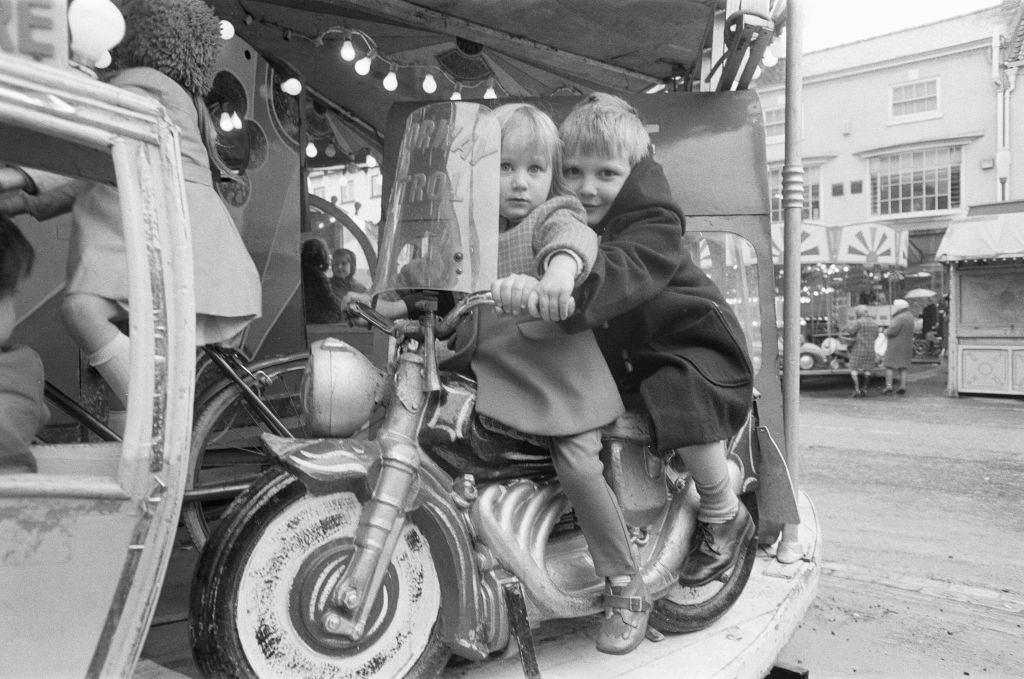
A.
pixel 706 463
pixel 89 320
pixel 581 474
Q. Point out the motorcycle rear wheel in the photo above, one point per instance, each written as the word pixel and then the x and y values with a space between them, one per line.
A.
pixel 249 605
pixel 690 609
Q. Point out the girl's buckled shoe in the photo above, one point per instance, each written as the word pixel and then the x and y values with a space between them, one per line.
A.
pixel 626 612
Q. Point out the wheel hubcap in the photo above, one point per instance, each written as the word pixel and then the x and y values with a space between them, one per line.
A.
pixel 318 572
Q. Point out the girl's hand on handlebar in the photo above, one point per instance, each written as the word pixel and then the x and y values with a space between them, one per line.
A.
pixel 512 293
pixel 552 299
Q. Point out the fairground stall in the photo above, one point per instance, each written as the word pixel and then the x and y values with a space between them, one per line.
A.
pixel 985 255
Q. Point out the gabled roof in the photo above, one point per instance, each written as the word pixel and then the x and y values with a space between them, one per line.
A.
pixel 1008 18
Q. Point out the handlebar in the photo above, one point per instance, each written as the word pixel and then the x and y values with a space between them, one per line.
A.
pixel 444 326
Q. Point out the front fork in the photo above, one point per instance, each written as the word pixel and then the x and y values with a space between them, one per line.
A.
pixel 345 605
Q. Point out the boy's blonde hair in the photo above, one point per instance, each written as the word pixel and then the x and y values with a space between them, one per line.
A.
pixel 540 128
pixel 605 125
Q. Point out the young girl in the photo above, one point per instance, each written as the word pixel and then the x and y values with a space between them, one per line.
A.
pixel 531 375
pixel 343 266
pixel 22 410
pixel 168 53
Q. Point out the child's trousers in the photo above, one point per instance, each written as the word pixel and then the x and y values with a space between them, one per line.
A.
pixel 581 474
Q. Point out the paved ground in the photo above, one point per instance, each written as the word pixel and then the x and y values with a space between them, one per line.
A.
pixel 921 504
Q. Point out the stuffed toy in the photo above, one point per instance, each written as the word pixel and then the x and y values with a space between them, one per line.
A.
pixel 179 38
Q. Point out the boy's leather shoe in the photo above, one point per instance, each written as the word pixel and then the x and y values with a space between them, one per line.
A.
pixel 716 548
pixel 626 612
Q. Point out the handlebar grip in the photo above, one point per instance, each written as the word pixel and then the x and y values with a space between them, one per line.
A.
pixel 371 316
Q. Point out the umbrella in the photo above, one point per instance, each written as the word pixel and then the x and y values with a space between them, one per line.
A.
pixel 919 293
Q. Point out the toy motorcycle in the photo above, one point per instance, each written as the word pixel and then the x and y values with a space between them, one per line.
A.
pixel 442 533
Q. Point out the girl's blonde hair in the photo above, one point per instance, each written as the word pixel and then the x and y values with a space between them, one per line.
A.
pixel 540 129
pixel 604 125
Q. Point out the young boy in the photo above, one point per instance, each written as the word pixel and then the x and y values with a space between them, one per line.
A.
pixel 669 337
pixel 22 411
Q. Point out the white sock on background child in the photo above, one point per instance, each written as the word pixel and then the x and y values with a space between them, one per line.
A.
pixel 111 361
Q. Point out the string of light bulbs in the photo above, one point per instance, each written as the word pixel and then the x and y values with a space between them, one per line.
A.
pixel 370 54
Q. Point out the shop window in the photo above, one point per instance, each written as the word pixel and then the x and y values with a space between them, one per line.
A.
pixel 914 101
pixel 916 181
pixel 812 193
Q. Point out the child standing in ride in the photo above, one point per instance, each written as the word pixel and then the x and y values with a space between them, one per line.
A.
pixel 669 337
pixel 531 374
pixel 168 53
pixel 22 410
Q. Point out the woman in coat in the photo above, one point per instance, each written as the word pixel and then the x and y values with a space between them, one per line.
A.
pixel 900 334
pixel 862 332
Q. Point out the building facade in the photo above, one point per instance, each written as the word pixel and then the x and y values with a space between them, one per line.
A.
pixel 908 129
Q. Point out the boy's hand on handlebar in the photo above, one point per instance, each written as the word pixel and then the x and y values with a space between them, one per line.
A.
pixel 512 293
pixel 553 295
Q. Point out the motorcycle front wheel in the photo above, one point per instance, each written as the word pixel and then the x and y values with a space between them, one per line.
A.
pixel 249 614
pixel 690 609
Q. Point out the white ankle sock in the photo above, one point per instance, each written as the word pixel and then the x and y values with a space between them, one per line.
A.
pixel 112 363
pixel 619 580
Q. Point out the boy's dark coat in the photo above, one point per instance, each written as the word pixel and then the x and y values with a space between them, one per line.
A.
pixel 662 324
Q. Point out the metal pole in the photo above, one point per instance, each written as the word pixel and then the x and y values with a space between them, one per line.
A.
pixel 792 203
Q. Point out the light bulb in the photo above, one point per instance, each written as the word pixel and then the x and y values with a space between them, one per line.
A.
pixel 490 93
pixel 769 59
pixel 236 121
pixel 96 26
pixel 104 60
pixel 391 81
pixel 429 84
pixel 363 65
pixel 291 86
pixel 330 151
pixel 225 122
pixel 227 29
pixel 348 52
pixel 311 150
pixel 457 94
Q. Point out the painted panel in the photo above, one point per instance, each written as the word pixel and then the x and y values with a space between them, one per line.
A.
pixel 984 369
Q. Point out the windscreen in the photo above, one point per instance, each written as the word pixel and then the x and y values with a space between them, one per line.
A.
pixel 441 231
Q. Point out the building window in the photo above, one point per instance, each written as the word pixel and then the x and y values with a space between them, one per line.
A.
pixel 856 187
pixel 812 193
pixel 775 123
pixel 916 181
pixel 348 192
pixel 913 101
pixel 376 185
pixel 837 189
